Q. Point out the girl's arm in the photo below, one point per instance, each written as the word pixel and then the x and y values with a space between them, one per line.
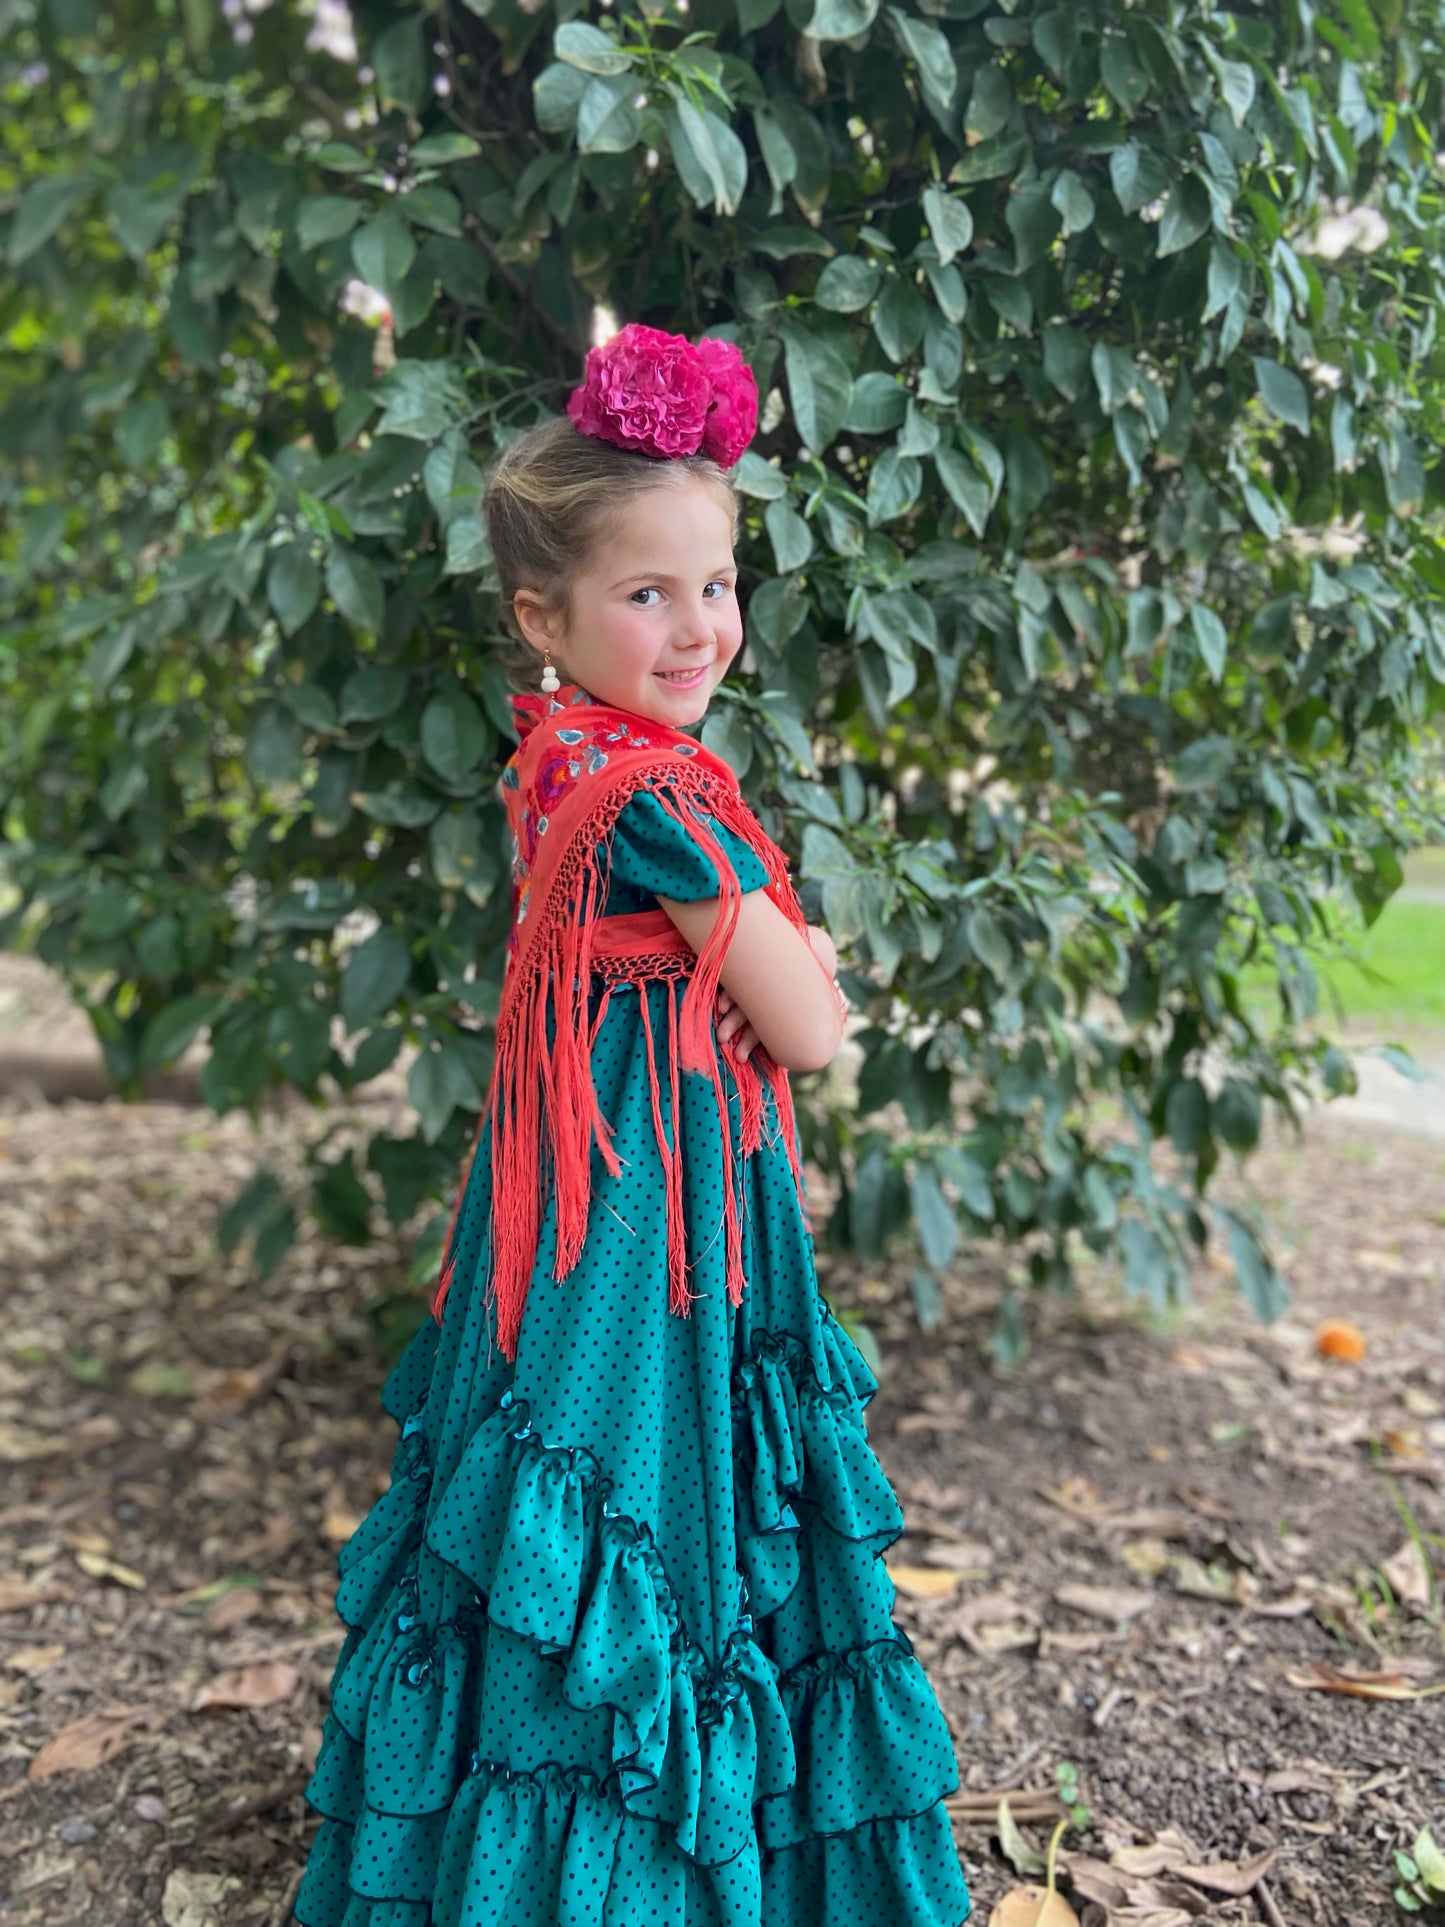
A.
pixel 775 974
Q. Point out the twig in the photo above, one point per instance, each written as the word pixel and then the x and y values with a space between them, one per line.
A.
pixel 271 1796
pixel 282 1915
pixel 1271 1907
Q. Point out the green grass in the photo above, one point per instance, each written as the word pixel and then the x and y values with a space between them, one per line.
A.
pixel 1402 980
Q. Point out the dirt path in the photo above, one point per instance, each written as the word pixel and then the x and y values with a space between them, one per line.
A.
pixel 184 1452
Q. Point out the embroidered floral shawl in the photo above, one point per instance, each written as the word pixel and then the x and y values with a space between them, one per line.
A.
pixel 576 764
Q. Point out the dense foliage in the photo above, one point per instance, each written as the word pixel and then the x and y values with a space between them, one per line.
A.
pixel 1096 608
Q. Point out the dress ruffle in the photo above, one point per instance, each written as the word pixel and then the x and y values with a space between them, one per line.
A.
pixel 728 1779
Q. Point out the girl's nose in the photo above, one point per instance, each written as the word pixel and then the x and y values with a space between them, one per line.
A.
pixel 699 626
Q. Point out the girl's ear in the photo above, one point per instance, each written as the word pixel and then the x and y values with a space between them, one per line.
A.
pixel 537 621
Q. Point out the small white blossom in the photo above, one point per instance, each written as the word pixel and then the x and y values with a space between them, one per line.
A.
pixel 332 30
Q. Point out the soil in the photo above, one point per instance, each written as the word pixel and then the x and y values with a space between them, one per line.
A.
pixel 1152 1549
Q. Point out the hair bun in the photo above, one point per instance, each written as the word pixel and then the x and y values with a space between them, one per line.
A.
pixel 659 394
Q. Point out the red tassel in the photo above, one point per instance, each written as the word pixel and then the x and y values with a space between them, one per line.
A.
pixel 540 1094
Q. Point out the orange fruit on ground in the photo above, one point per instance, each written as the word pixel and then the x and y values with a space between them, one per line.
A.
pixel 1337 1338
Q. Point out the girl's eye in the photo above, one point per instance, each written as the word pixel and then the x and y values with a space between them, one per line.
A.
pixel 716 584
pixel 637 592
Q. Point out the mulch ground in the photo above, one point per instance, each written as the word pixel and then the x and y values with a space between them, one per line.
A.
pixel 1183 1553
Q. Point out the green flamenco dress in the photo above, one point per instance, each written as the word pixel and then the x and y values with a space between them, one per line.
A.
pixel 620 1649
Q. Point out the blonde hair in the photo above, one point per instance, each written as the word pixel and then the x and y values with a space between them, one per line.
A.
pixel 548 500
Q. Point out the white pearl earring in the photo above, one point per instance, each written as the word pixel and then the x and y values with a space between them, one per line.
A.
pixel 550 679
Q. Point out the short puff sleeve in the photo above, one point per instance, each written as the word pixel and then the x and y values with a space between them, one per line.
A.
pixel 654 856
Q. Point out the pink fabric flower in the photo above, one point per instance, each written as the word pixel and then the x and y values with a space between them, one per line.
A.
pixel 663 395
pixel 732 420
pixel 645 390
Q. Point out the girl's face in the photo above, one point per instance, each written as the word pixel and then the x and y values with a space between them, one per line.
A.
pixel 655 619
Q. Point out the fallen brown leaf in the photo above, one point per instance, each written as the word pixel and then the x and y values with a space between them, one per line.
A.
pixel 1322 1676
pixel 99 1567
pixel 1020 1907
pixel 87 1742
pixel 1408 1574
pixel 1114 1603
pixel 260 1685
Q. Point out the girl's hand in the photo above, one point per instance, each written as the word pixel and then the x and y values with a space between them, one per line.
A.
pixel 732 1021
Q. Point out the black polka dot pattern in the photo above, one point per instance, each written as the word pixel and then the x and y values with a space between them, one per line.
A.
pixel 619 1645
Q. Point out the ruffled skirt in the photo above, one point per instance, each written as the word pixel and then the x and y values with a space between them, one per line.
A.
pixel 620 1649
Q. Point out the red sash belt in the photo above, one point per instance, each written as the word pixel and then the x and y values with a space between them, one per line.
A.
pixel 640 943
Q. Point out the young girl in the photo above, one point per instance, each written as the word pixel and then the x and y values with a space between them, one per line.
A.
pixel 620 1647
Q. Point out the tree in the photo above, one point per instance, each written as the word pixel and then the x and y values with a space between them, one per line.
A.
pixel 1091 548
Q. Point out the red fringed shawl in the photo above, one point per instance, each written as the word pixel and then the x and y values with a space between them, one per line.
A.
pixel 574 768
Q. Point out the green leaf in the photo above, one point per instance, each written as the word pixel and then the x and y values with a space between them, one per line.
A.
pixel 877 404
pixel 422 400
pixel 1283 393
pixel 753 476
pixel 1204 764
pixel 274 754
pixel 375 975
pixel 141 429
pixel 433 207
pixel 1235 1114
pixel 1226 273
pixel 718 151
pixel 780 157
pixel 1138 175
pixel 898 319
pixel 949 222
pixel 42 211
pixel 441 150
pixel 990 104
pixel 989 941
pixel 929 48
pixel 847 284
pixel 933 1217
pixel 1213 640
pixel 383 252
pixel 454 735
pixel 1186 1116
pixel 1033 220
pixel 967 487
pixel 459 859
pixel 607 119
pixel 293 586
pixel 820 386
pixel 355 588
pixel 1115 376
pixel 1073 201
pixel 172 1031
pixel 1123 72
pixel 841 19
pixel 1186 216
pixel 468 550
pixel 790 536
pixel 1259 1279
pixel 894 486
pixel 781 243
pixel 325 217
pixel 340 157
pixel 1236 84
pixel 437 1084
pixel 556 94
pixel 371 693
pixel 584 46
pixel 399 59
pixel 1066 358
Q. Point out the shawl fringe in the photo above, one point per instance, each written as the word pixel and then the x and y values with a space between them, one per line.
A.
pixel 543 1097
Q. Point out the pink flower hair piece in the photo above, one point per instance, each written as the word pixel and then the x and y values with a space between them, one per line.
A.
pixel 661 395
